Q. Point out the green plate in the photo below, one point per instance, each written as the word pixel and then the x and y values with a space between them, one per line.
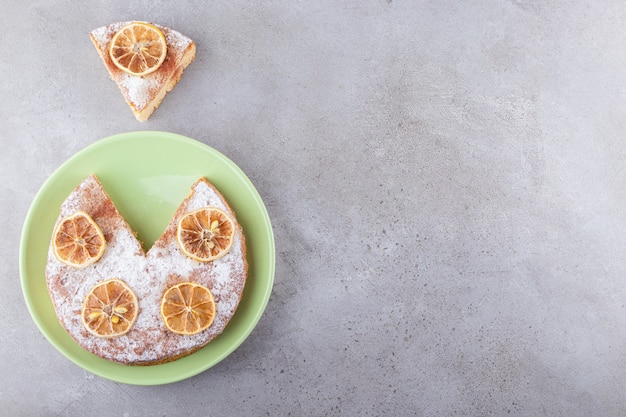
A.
pixel 147 175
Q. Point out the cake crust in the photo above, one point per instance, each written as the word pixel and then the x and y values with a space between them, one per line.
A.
pixel 149 274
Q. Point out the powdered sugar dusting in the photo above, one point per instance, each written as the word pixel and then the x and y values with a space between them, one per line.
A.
pixel 103 34
pixel 149 275
pixel 139 89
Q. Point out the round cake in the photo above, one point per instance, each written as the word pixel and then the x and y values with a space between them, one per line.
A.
pixel 149 275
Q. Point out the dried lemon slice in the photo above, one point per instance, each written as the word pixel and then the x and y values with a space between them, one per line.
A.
pixel 187 308
pixel 205 234
pixel 138 48
pixel 110 309
pixel 78 241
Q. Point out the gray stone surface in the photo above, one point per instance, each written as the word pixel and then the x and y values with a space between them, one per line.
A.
pixel 446 180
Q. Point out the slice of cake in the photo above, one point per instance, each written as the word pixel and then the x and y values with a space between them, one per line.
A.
pixel 143 91
pixel 144 308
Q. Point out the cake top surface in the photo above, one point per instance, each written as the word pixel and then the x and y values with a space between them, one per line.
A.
pixel 139 91
pixel 149 274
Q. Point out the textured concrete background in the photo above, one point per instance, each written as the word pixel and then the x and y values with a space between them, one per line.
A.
pixel 446 180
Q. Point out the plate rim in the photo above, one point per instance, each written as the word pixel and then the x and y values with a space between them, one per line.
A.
pixel 267 238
